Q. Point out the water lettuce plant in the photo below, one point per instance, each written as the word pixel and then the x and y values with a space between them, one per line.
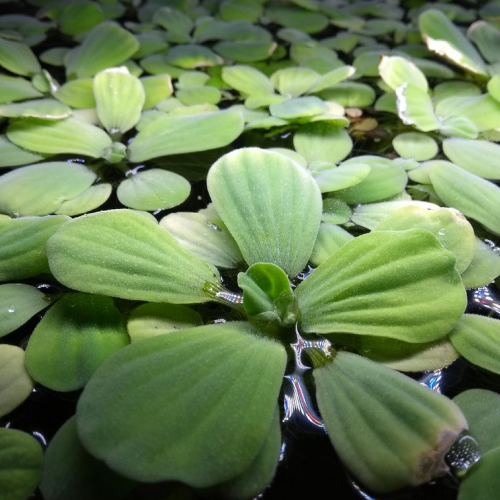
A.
pixel 223 224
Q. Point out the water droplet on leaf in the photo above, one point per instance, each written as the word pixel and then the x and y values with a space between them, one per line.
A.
pixel 464 453
pixel 11 309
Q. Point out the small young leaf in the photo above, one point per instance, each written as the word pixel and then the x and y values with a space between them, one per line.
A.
pixel 21 458
pixel 387 445
pixel 331 79
pixel 271 206
pixel 157 88
pixel 401 285
pixel 15 383
pixel 414 145
pixel 18 303
pixel 484 268
pixel 77 93
pixel 335 211
pixel 163 375
pixel 139 260
pixel 192 57
pixel 343 177
pixel 148 320
pixel 293 82
pixel 299 107
pixel 477 339
pixel 330 239
pixel 73 339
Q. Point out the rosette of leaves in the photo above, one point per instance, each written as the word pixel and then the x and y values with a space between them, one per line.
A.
pixel 392 285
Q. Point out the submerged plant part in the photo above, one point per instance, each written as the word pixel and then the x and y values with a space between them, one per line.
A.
pixel 297 236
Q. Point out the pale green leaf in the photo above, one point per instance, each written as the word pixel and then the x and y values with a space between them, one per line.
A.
pixel 22 245
pixel 149 320
pixel 449 226
pixel 15 383
pixel 419 147
pixel 77 93
pixel 157 88
pixel 247 80
pixel 73 339
pixel 153 189
pixel 119 99
pixel 477 339
pixel 290 17
pixel 170 438
pixel 21 459
pixel 69 135
pixel 137 260
pixel 293 82
pixel 454 89
pixel 271 206
pixel 343 177
pixel 107 45
pixel 18 303
pixel 16 89
pixel 477 157
pixel 351 94
pixel 322 141
pixel 445 39
pixel 330 239
pixel 41 189
pixel 191 56
pixel 482 411
pixel 245 52
pixel 69 471
pixel 263 100
pixel 18 58
pixel 397 71
pixel 209 240
pixel 400 285
pixel 13 156
pixel 483 481
pixel 298 107
pixel 385 444
pixel 475 197
pixel 335 211
pixel 421 173
pixel 177 24
pixel 486 37
pixel 484 268
pixel 169 135
pixel 330 79
pixel 385 180
pixel 89 200
pixel 494 87
pixel 49 109
pixel 459 126
pixel 54 56
pixel 198 95
pixel 415 108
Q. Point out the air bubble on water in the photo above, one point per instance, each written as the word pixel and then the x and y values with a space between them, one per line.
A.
pixel 492 246
pixel 213 226
pixel 11 309
pixel 464 453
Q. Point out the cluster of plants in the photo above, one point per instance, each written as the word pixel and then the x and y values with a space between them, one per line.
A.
pixel 202 201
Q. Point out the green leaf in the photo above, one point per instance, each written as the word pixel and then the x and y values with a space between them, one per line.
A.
pixel 385 180
pixel 330 239
pixel 156 88
pixel 70 472
pixel 343 177
pixel 331 79
pixel 247 80
pixel 415 108
pixel 16 89
pixel 293 82
pixel 473 196
pixel 385 444
pixel 69 135
pixel 270 204
pixel 322 141
pixel 40 108
pixel 153 189
pixel 484 268
pixel 482 481
pixel 459 126
pixel 262 101
pixel 494 87
pixel 21 459
pixel 198 95
pixel 267 293
pixel 481 408
pixel 79 17
pixel 149 320
pixel 18 303
pixel 170 439
pixel 485 36
pixel 54 56
pixel 449 226
pixel 299 107
pixel 73 339
pixel 335 211
pixel 444 38
pixel 397 71
pixel 290 17
pixel 245 52
pixel 477 157
pixel 18 58
pixel 477 339
pixel 210 241
pixel 177 24
pixel 77 93
pixel 107 45
pixel 169 135
pixel 248 10
pixel 15 383
pixel 454 89
pixel 414 145
pixel 13 156
pixel 89 200
pixel 192 56
pixel 119 99
pixel 41 189
pixel 138 260
pixel 22 245
pixel 352 94
pixel 401 285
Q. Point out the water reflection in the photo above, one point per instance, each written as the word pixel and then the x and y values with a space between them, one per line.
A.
pixel 441 380
pixel 485 298
pixel 464 453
